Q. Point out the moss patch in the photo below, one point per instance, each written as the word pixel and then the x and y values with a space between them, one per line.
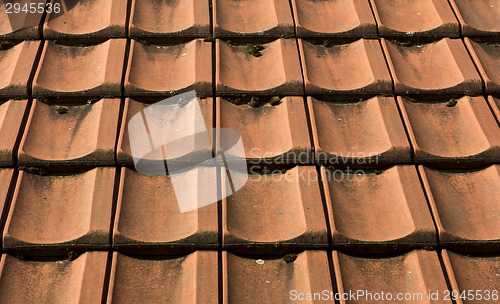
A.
pixel 290 258
pixel 451 103
pixel 255 50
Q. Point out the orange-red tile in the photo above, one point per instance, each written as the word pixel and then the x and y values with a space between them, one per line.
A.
pixel 357 68
pixel 86 134
pixel 11 117
pixel 495 106
pixel 5 184
pixel 487 59
pixel 18 25
pixel 60 212
pixel 161 279
pixel 363 133
pixel 16 64
pixel 478 17
pixel 378 211
pixel 466 133
pixel 441 67
pixel 94 70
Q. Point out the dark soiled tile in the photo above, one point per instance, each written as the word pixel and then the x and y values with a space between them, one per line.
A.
pixel 272 134
pixel 11 117
pixel 466 207
pixel 174 19
pixel 275 212
pixel 54 212
pixel 16 64
pixel 86 134
pixel 468 133
pixel 53 281
pixel 377 212
pixel 416 275
pixel 495 106
pixel 86 19
pixel 272 70
pixel 282 279
pixel 18 25
pixel 409 18
pixel 368 132
pixel 149 215
pixel 487 60
pixel 258 18
pixel 353 19
pixel 169 69
pixel 5 181
pixel 80 70
pixel 478 17
pixel 479 274
pixel 181 150
pixel 357 68
pixel 184 279
pixel 441 67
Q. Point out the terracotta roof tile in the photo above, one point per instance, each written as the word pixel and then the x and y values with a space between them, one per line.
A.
pixel 495 106
pixel 94 70
pixel 53 281
pixel 467 133
pixel 11 118
pixel 487 59
pixel 442 67
pixel 353 19
pixel 175 19
pixel 412 19
pixel 357 68
pixel 274 212
pixel 5 181
pixel 86 134
pixel 380 211
pixel 187 279
pixel 16 64
pixel 243 69
pixel 57 212
pixel 14 27
pixel 466 206
pixel 258 18
pixel 478 17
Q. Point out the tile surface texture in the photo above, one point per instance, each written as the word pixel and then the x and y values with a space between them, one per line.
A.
pixel 18 28
pixel 16 64
pixel 11 117
pixel 487 59
pixel 479 18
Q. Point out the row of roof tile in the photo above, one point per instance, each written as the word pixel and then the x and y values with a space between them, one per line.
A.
pixel 262 18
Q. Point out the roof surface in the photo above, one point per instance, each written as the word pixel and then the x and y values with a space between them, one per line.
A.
pixel 371 131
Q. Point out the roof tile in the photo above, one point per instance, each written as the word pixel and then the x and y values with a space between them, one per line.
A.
pixel 409 18
pixel 379 211
pixel 258 18
pixel 11 118
pixel 466 206
pixel 478 17
pixel 17 26
pixel 487 60
pixel 169 69
pixel 442 67
pixel 274 70
pixel 16 64
pixel 80 71
pixel 186 279
pixel 5 181
pixel 275 211
pixel 67 211
pixel 495 106
pixel 467 133
pixel 86 134
pixel 356 68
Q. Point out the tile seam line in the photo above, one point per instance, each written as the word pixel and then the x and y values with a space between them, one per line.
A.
pixel 446 275
pixel 476 65
pixel 427 195
pixel 8 203
pixel 460 25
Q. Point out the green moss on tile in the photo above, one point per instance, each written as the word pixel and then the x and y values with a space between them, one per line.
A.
pixel 290 257
pixel 451 103
pixel 255 49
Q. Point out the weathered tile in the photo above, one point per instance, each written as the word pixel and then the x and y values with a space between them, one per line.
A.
pixel 277 279
pixel 415 19
pixel 60 212
pixel 365 133
pixel 80 70
pixel 357 68
pixel 273 135
pixel 86 134
pixel 18 25
pixel 11 118
pixel 258 18
pixel 441 67
pixel 16 64
pixel 87 19
pixel 416 275
pixel 378 211
pixel 478 17
pixel 353 19
pixel 495 106
pixel 274 212
pixel 475 278
pixel 487 60
pixel 466 207
pixel 172 19
pixel 440 133
pixel 169 69
pixel 5 183
pixel 53 281
pixel 272 70
pixel 186 279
